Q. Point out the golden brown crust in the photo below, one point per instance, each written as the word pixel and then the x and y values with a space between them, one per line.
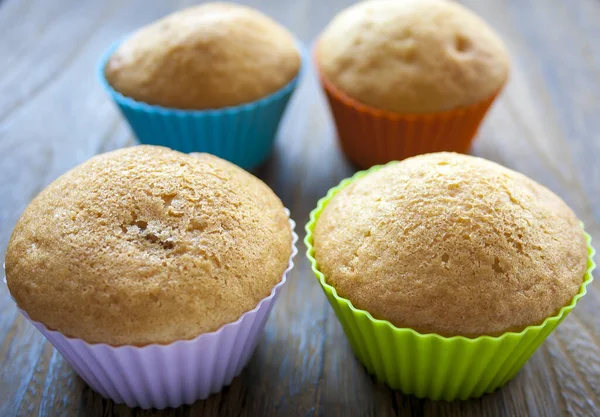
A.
pixel 452 244
pixel 205 57
pixel 147 245
pixel 412 56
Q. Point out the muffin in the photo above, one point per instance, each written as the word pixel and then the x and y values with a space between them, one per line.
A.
pixel 408 77
pixel 203 77
pixel 205 57
pixel 452 266
pixel 137 250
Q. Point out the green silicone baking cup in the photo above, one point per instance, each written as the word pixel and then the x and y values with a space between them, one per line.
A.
pixel 429 365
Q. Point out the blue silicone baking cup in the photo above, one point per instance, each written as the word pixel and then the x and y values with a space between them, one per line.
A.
pixel 244 134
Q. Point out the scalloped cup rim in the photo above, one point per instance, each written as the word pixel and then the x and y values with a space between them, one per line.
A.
pixel 322 202
pixel 203 335
pixel 172 111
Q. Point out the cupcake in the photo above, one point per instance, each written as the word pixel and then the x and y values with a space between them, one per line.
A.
pixel 408 77
pixel 153 272
pixel 211 78
pixel 447 271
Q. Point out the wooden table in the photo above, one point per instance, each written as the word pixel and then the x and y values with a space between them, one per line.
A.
pixel 54 115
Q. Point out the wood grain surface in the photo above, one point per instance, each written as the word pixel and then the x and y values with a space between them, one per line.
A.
pixel 54 115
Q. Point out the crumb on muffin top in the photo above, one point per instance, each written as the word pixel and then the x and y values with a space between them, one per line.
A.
pixel 147 245
pixel 451 244
pixel 412 56
pixel 209 56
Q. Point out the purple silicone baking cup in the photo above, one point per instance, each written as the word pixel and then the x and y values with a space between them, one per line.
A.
pixel 182 372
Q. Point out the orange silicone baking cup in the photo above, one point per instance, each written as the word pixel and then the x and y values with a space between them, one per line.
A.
pixel 370 136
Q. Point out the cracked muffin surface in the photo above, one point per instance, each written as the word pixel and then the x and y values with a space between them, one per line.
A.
pixel 147 245
pixel 451 244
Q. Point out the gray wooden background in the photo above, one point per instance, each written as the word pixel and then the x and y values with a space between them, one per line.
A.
pixel 54 115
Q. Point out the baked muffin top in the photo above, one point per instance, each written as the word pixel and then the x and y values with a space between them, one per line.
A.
pixel 412 56
pixel 205 57
pixel 451 244
pixel 147 245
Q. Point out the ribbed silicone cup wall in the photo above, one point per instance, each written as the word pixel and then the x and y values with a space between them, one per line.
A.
pixel 181 372
pixel 244 134
pixel 429 365
pixel 370 136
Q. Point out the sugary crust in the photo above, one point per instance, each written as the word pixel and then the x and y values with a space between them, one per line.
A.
pixel 412 56
pixel 205 57
pixel 452 244
pixel 147 245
